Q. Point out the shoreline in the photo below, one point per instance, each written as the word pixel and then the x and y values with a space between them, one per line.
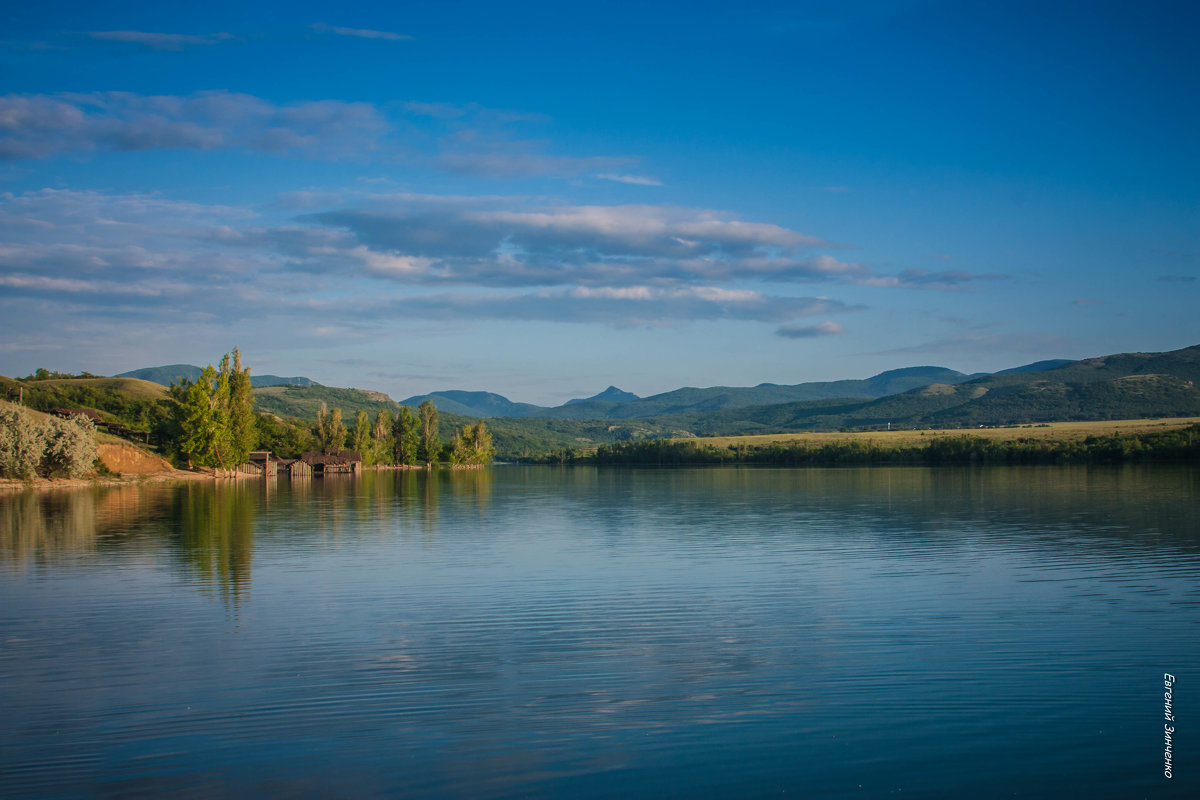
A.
pixel 47 484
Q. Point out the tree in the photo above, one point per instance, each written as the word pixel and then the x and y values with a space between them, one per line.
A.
pixel 482 449
pixel 337 430
pixel 430 446
pixel 362 438
pixel 472 446
pixel 460 446
pixel 322 429
pixel 242 422
pixel 70 448
pixel 381 437
pixel 22 442
pixel 406 435
pixel 204 419
pixel 331 433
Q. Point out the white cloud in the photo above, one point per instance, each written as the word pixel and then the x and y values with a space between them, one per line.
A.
pixel 947 280
pixel 160 41
pixel 360 33
pixel 826 328
pixel 636 180
pixel 38 126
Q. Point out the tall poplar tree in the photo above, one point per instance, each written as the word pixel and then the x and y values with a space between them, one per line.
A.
pixel 337 430
pixel 362 438
pixel 430 447
pixel 482 449
pixel 215 415
pixel 331 432
pixel 406 435
pixel 381 437
pixel 243 430
pixel 460 445
pixel 322 430
pixel 204 419
pixel 472 446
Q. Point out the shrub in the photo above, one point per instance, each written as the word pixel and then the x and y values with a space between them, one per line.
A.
pixel 70 448
pixel 54 448
pixel 22 441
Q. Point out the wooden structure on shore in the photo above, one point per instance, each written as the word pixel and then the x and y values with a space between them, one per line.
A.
pixel 115 428
pixel 314 462
pixel 328 462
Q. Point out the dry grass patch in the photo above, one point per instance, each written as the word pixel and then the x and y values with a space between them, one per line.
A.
pixel 1057 431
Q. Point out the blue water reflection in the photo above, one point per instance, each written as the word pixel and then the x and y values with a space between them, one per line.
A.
pixel 544 632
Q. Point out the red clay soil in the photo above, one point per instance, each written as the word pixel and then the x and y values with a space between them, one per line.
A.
pixel 125 459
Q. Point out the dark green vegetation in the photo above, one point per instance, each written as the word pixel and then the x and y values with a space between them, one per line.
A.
pixel 33 444
pixel 613 403
pixel 215 415
pixel 1181 444
pixel 305 401
pixel 1126 386
pixel 137 404
pixel 174 373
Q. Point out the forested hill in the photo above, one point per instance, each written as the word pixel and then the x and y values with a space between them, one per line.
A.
pixel 173 373
pixel 616 404
pixel 1124 386
pixel 717 398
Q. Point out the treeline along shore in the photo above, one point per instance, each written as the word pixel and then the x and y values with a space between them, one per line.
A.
pixel 1176 445
pixel 1124 408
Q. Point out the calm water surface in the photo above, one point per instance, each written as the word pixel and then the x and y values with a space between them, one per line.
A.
pixel 542 632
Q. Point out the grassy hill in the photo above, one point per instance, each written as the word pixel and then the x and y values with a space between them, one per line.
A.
pixel 135 403
pixel 1124 386
pixel 691 400
pixel 174 373
pixel 133 387
pixel 304 401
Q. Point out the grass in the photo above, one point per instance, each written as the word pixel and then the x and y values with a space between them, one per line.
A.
pixel 142 390
pixel 1057 431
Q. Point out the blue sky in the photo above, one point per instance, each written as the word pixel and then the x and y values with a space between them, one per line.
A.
pixel 542 199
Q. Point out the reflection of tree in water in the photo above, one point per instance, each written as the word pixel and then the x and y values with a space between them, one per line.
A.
pixel 39 527
pixel 215 533
pixel 476 484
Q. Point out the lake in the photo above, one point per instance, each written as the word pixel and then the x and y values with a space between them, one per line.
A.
pixel 581 632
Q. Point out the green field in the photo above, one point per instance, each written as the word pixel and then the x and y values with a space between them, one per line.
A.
pixel 142 390
pixel 1056 431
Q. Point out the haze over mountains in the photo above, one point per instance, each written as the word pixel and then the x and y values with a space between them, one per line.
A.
pixel 1128 385
pixel 173 373
pixel 613 403
pixel 1122 386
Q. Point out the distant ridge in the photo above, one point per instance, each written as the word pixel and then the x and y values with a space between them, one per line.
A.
pixel 1120 386
pixel 614 404
pixel 475 404
pixel 173 373
pixel 1037 366
pixel 610 395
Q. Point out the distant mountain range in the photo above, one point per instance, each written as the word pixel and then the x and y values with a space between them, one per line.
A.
pixel 614 403
pixel 1121 386
pixel 1127 385
pixel 173 373
pixel 610 395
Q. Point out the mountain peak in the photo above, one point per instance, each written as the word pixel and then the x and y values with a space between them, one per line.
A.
pixel 610 395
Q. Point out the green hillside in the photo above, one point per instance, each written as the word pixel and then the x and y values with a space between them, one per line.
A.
pixel 1122 386
pixel 1125 386
pixel 174 373
pixel 304 401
